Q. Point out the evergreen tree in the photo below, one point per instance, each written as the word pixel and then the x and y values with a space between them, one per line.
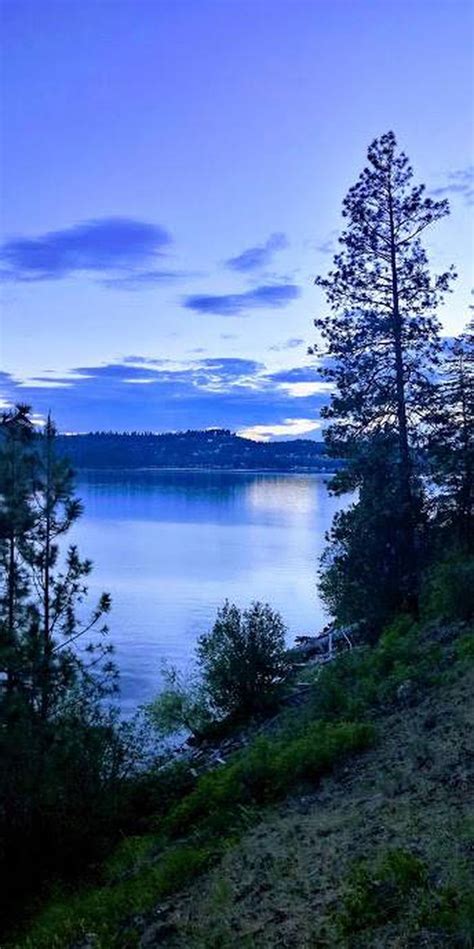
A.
pixel 60 588
pixel 62 750
pixel 381 337
pixel 16 517
pixel 363 568
pixel 452 443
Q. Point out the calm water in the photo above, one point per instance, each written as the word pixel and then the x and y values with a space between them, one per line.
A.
pixel 171 546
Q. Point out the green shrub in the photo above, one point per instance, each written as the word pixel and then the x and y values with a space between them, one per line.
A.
pixel 241 664
pixel 370 676
pixel 243 659
pixel 101 914
pixel 377 891
pixel 450 911
pixel 448 590
pixel 182 704
pixel 266 772
pixel 465 649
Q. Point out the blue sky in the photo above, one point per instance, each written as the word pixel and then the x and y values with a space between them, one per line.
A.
pixel 173 172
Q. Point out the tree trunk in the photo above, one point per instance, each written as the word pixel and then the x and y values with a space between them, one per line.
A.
pixel 405 468
pixel 45 683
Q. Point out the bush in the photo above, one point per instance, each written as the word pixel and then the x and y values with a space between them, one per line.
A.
pixel 448 591
pixel 465 649
pixel 183 704
pixel 243 659
pixel 368 677
pixel 266 772
pixel 398 884
pixel 450 911
pixel 99 917
pixel 377 891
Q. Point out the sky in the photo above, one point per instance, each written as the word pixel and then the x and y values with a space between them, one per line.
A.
pixel 172 180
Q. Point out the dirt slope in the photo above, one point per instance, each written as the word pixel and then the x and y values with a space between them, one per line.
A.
pixel 290 881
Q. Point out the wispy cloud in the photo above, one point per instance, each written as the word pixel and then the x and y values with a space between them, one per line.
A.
pixel 459 182
pixel 270 296
pixel 293 343
pixel 297 374
pixel 143 279
pixel 146 360
pixel 260 256
pixel 324 245
pixel 114 247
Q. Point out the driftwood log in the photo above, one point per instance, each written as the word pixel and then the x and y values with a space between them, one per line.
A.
pixel 330 641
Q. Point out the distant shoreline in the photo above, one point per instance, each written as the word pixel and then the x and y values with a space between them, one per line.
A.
pixel 216 450
pixel 195 470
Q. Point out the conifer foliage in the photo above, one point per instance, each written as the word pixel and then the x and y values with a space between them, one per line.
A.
pixel 381 349
pixel 59 744
pixel 452 441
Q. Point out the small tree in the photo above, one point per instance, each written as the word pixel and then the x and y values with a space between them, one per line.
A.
pixel 56 618
pixel 242 659
pixel 182 704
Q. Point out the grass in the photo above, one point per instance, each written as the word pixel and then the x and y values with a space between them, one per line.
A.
pixel 106 915
pixel 267 772
pixel 377 889
pixel 397 883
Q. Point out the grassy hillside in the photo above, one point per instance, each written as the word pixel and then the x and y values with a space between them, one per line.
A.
pixel 379 855
pixel 347 823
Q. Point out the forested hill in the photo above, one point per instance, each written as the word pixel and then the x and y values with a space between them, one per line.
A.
pixel 218 448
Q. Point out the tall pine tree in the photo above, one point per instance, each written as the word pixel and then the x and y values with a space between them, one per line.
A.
pixel 381 338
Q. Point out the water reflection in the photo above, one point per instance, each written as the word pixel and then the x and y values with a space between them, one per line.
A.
pixel 276 496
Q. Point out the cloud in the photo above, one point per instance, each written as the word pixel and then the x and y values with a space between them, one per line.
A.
pixel 297 374
pixel 300 390
pixel 301 382
pixel 325 247
pixel 260 256
pixel 228 366
pixel 143 279
pixel 459 182
pixel 289 428
pixel 272 296
pixel 141 394
pixel 110 246
pixel 147 360
pixel 293 343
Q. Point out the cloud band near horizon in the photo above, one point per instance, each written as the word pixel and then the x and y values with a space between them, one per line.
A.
pixel 158 395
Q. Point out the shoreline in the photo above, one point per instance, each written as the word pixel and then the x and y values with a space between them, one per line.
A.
pixel 208 470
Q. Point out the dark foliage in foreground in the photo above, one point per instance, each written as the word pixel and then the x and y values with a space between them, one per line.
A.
pixel 65 756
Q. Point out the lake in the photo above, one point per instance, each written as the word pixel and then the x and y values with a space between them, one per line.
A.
pixel 171 546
